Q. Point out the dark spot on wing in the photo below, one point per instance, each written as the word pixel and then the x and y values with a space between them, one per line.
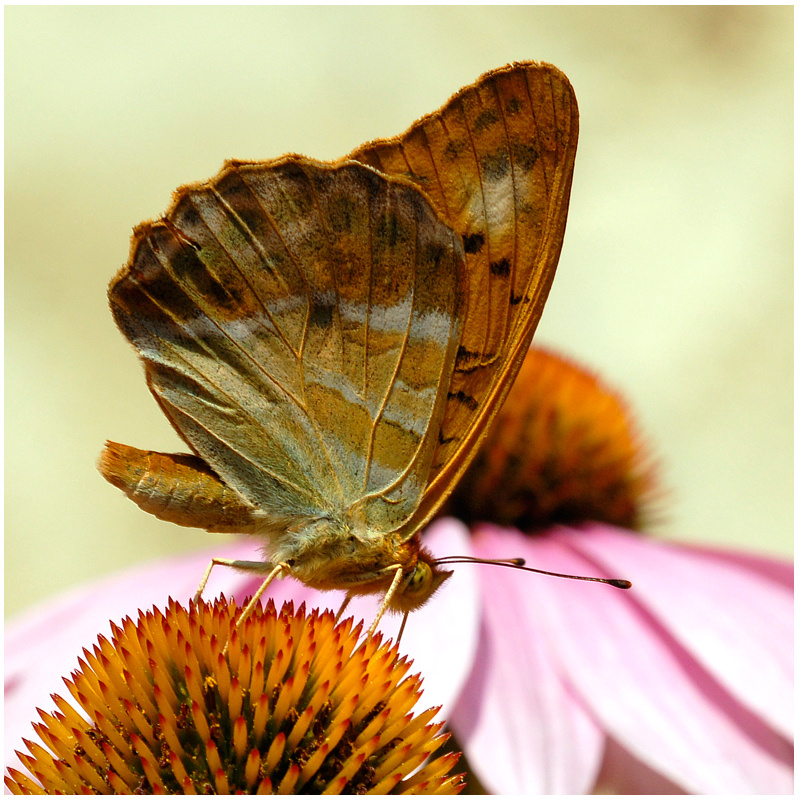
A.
pixel 502 268
pixel 495 165
pixel 470 402
pixel 524 155
pixel 485 119
pixel 513 106
pixel 443 440
pixel 473 242
pixel 467 359
pixel 454 149
pixel 321 316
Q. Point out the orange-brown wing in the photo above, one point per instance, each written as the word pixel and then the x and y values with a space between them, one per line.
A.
pixel 496 161
pixel 298 323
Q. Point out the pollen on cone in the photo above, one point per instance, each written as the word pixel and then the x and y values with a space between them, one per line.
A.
pixel 166 715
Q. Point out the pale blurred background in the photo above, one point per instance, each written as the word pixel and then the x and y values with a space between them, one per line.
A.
pixel 675 282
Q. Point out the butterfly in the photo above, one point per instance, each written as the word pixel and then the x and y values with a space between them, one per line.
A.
pixel 332 340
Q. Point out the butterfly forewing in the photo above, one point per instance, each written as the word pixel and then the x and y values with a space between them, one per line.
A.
pixel 496 162
pixel 299 323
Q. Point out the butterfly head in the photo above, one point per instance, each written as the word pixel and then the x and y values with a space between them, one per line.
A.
pixel 419 582
pixel 419 576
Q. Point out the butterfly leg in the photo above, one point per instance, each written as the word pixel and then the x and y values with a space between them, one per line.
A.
pixel 253 566
pixel 386 600
pixel 275 573
pixel 346 602
pixel 402 628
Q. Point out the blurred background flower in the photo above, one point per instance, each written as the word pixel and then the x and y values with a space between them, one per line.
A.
pixel 681 683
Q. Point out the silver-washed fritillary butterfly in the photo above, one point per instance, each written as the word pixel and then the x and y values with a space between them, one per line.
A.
pixel 332 339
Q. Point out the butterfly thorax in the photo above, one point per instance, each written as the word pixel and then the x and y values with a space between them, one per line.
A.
pixel 340 552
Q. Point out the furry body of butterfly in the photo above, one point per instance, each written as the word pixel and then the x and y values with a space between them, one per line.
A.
pixel 324 553
pixel 332 340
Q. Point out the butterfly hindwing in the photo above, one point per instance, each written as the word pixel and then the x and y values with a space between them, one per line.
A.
pixel 299 323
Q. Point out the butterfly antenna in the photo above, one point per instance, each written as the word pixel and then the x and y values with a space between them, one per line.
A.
pixel 519 563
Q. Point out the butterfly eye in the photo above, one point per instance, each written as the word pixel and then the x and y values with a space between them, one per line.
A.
pixel 420 579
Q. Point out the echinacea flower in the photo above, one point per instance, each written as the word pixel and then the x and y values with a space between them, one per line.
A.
pixel 184 702
pixel 681 684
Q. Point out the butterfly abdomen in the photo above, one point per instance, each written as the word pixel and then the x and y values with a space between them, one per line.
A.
pixel 177 488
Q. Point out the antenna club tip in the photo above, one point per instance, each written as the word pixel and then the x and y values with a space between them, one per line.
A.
pixel 519 562
pixel 621 584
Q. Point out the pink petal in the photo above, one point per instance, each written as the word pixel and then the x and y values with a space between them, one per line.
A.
pixel 622 773
pixel 780 571
pixel 738 624
pixel 647 693
pixel 521 729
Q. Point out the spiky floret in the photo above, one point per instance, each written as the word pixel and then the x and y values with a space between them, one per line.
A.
pixel 295 704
